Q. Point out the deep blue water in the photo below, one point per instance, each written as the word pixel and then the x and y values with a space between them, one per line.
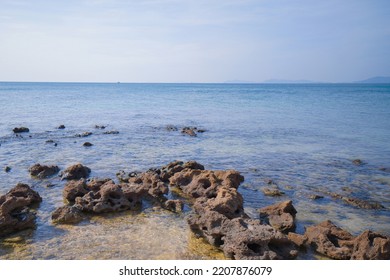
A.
pixel 302 136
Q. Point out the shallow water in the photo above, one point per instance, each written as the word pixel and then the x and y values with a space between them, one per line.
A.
pixel 303 137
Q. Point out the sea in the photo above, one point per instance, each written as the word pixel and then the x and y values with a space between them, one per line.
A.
pixel 303 139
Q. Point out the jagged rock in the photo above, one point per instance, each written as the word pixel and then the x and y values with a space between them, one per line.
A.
pixel 20 129
pixel 111 132
pixel 61 126
pixel 371 246
pixel 75 189
pixel 15 213
pixel 174 205
pixel 110 197
pixel 280 216
pixel 67 215
pixel 249 240
pixel 356 202
pixel 171 168
pixel 75 172
pixel 298 239
pixel 205 183
pixel 328 239
pixel 87 144
pixel 43 171
pixel 151 182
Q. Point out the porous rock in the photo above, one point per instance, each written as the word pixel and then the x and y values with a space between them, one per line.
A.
pixel 75 172
pixel 174 205
pixel 15 212
pixel 280 216
pixel 43 171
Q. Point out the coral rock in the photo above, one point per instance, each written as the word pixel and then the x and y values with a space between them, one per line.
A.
pixel 43 171
pixel 280 216
pixel 67 215
pixel 76 172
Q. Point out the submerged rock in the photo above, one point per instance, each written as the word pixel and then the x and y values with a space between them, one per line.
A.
pixel 357 162
pixel 171 128
pixel 67 215
pixel 174 205
pixel 87 144
pixel 43 171
pixel 111 132
pixel 189 131
pixel 75 172
pixel 272 192
pixel 84 134
pixel 280 216
pixel 61 126
pixel 100 126
pixel 7 169
pixel 20 129
pixel 356 201
pixel 15 212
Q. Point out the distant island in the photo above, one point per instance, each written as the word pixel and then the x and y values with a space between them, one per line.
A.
pixel 376 80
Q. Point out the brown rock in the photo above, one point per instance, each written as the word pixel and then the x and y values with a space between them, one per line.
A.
pixel 328 239
pixel 205 183
pixel 67 215
pixel 174 205
pixel 43 171
pixel 189 131
pixel 15 213
pixel 272 192
pixel 298 239
pixel 371 246
pixel 357 161
pixel 20 129
pixel 75 172
pixel 280 216
pixel 151 182
pixel 170 169
pixel 75 189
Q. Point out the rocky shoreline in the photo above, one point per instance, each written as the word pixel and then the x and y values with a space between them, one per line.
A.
pixel 217 211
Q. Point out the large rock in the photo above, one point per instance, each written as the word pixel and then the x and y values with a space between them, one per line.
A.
pixel 75 189
pixel 43 171
pixel 205 183
pixel 170 169
pixel 371 246
pixel 15 213
pixel 75 172
pixel 67 215
pixel 280 216
pixel 336 243
pixel 111 197
pixel 151 182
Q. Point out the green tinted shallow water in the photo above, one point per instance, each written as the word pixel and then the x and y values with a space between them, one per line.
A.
pixel 303 137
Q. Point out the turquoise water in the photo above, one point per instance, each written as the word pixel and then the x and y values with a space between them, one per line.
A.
pixel 303 137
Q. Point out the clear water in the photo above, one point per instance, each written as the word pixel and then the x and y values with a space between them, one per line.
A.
pixel 303 137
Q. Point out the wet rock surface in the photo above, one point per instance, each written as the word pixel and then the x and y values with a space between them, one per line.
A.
pixel 356 202
pixel 87 144
pixel 111 132
pixel 43 171
pixel 84 134
pixel 15 211
pixel 75 172
pixel 61 126
pixel 67 215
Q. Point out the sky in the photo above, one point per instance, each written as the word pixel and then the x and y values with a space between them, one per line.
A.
pixel 194 40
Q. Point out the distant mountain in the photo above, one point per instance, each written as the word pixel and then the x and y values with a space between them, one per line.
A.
pixel 276 81
pixel 376 80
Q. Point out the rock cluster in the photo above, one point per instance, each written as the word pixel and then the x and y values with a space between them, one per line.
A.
pixel 15 214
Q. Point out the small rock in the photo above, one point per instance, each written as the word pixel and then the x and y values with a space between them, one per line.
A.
pixel 357 162
pixel 7 169
pixel 84 134
pixel 111 132
pixel 385 169
pixel 61 127
pixel 49 141
pixel 272 192
pixel 315 196
pixel 20 129
pixel 67 215
pixel 174 205
pixel 100 126
pixel 87 144
pixel 171 128
pixel 43 171
pixel 189 131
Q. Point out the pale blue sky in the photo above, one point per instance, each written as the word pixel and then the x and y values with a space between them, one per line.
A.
pixel 194 41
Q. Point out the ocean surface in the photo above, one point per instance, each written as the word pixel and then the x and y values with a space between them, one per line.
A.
pixel 303 137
